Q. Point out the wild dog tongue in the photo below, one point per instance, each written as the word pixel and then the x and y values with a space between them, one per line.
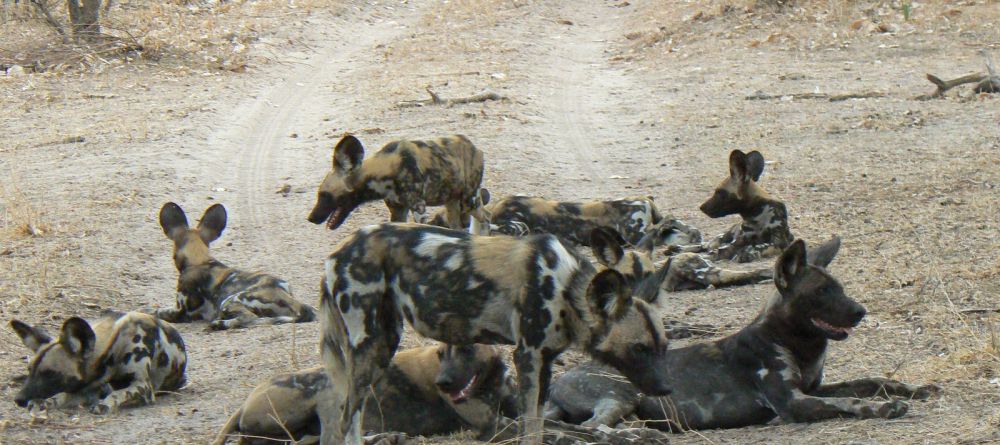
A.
pixel 462 394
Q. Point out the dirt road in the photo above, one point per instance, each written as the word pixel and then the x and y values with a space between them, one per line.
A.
pixel 590 113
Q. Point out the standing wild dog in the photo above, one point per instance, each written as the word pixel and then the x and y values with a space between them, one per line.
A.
pixel 209 290
pixel 683 271
pixel 122 359
pixel 637 219
pixel 764 231
pixel 773 367
pixel 407 175
pixel 461 289
pixel 426 391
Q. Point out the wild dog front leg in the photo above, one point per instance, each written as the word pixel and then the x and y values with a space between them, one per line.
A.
pixel 876 387
pixel 177 314
pixel 397 212
pixel 140 390
pixel 233 315
pixel 531 370
pixel 457 215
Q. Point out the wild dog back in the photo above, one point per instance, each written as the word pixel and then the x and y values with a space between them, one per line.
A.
pixel 408 175
pixel 121 359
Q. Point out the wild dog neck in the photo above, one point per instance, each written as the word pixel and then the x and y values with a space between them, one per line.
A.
pixel 778 325
pixel 765 215
pixel 207 277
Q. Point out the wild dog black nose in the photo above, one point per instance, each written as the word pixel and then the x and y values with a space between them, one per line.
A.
pixel 21 401
pixel 859 313
pixel 444 381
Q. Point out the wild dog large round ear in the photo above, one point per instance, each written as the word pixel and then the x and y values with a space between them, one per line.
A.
pixel 77 336
pixel 32 337
pixel 823 255
pixel 738 165
pixel 608 294
pixel 348 154
pixel 790 264
pixel 606 244
pixel 484 196
pixel 212 223
pixel 755 165
pixel 172 219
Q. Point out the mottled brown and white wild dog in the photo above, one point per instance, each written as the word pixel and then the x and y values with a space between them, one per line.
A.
pixel 636 219
pixel 122 359
pixel 531 292
pixel 211 291
pixel 771 368
pixel 764 230
pixel 426 391
pixel 408 175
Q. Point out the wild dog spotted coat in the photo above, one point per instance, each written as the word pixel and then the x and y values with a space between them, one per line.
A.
pixel 122 359
pixel 408 175
pixel 209 290
pixel 771 368
pixel 461 289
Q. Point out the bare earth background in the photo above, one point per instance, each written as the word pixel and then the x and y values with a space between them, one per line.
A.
pixel 232 102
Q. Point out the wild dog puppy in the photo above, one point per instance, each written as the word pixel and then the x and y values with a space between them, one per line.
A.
pixel 407 175
pixel 457 288
pixel 683 271
pixel 771 368
pixel 209 290
pixel 764 231
pixel 121 359
pixel 426 391
pixel 637 219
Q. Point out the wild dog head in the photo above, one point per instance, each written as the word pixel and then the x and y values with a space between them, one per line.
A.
pixel 739 192
pixel 810 301
pixel 469 371
pixel 342 190
pixel 59 365
pixel 191 245
pixel 607 246
pixel 627 333
pixel 670 231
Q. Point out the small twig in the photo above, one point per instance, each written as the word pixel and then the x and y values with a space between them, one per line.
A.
pixel 437 100
pixel 760 95
pixel 978 311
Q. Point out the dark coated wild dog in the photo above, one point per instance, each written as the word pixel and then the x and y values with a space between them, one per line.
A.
pixel 635 218
pixel 771 368
pixel 209 290
pixel 461 289
pixel 426 391
pixel 764 230
pixel 407 175
pixel 683 271
pixel 120 360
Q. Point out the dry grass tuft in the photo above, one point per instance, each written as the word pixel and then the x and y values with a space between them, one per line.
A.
pixel 20 216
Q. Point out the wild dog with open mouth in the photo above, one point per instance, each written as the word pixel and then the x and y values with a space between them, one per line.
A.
pixel 637 219
pixel 683 271
pixel 457 288
pixel 122 359
pixel 771 368
pixel 209 290
pixel 407 175
pixel 764 231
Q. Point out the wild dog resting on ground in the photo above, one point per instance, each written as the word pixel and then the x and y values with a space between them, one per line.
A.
pixel 635 218
pixel 426 391
pixel 407 175
pixel 122 359
pixel 683 271
pixel 209 290
pixel 773 367
pixel 764 231
pixel 461 289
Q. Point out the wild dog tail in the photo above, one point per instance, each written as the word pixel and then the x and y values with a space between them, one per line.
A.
pixel 229 428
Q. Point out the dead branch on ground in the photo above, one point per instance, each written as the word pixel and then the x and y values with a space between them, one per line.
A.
pixel 985 83
pixel 437 100
pixel 760 95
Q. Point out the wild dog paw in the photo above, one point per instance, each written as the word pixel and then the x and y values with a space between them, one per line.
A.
pixel 388 439
pixel 893 409
pixel 216 325
pixel 926 391
pixel 103 407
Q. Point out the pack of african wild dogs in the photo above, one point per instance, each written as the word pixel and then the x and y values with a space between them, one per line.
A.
pixel 484 272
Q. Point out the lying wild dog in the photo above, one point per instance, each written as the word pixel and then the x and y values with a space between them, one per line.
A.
pixel 683 271
pixel 407 175
pixel 457 288
pixel 209 290
pixel 120 360
pixel 426 391
pixel 635 218
pixel 764 231
pixel 771 368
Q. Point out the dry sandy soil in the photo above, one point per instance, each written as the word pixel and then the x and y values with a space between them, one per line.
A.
pixel 605 99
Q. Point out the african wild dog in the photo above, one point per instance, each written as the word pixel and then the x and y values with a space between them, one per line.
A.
pixel 479 217
pixel 771 368
pixel 407 175
pixel 764 231
pixel 635 218
pixel 122 359
pixel 426 391
pixel 461 289
pixel 683 271
pixel 209 290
